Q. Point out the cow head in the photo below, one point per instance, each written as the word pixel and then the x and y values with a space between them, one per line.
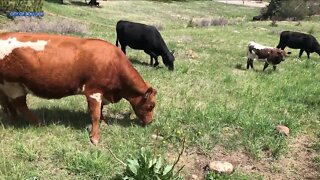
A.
pixel 277 55
pixel 144 106
pixel 168 60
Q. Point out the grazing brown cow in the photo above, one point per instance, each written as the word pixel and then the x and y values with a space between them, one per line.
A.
pixel 53 66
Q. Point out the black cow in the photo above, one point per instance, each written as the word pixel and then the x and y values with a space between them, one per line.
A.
pixel 144 37
pixel 297 40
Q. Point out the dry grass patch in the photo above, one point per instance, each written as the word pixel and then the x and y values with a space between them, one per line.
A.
pixel 58 26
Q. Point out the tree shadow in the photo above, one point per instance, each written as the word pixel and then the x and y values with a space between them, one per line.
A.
pixel 79 3
pixel 55 1
pixel 67 118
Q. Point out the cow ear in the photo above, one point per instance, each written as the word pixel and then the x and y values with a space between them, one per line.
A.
pixel 148 93
pixel 172 52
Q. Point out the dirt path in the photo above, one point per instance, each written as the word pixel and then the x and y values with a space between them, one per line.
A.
pixel 245 3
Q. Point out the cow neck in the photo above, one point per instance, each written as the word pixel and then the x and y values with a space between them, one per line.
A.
pixel 133 85
pixel 165 50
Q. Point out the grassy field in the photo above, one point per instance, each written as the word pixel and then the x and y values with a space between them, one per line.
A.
pixel 224 111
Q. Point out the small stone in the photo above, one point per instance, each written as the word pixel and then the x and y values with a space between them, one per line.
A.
pixel 158 137
pixel 221 167
pixel 194 177
pixel 283 130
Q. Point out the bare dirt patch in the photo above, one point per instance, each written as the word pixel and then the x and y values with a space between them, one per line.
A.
pixel 296 164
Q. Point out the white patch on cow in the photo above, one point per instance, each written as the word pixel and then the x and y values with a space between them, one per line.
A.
pixel 81 90
pixel 97 97
pixel 7 46
pixel 258 46
pixel 13 90
pixel 253 55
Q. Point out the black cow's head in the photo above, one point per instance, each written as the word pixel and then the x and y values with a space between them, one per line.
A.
pixel 168 60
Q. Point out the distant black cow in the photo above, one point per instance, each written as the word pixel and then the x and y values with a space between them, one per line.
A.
pixel 297 40
pixel 93 3
pixel 144 37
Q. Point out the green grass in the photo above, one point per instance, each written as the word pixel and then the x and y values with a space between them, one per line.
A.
pixel 210 100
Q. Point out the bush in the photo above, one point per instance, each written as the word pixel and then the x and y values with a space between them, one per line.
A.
pixel 61 26
pixel 148 167
pixel 289 9
pixel 205 22
pixel 293 9
pixel 21 5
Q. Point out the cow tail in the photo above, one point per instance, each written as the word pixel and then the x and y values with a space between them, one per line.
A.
pixel 117 41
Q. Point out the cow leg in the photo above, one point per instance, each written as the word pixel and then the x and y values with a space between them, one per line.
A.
pixel 308 54
pixel 123 48
pixel 8 108
pixel 249 63
pixel 265 66
pixel 151 60
pixel 102 118
pixel 94 103
pixel 274 68
pixel 300 53
pixel 156 61
pixel 21 104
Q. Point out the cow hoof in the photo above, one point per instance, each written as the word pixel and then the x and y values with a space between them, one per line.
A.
pixel 94 141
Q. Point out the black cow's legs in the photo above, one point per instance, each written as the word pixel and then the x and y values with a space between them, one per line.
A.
pixel 249 63
pixel 274 68
pixel 156 62
pixel 308 54
pixel 123 48
pixel 300 53
pixel 151 60
pixel 265 66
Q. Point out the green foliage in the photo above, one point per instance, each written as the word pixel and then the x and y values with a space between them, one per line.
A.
pixel 149 168
pixel 293 9
pixel 21 5
pixel 287 9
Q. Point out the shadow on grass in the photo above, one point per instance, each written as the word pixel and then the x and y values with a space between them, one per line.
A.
pixel 267 71
pixel 136 61
pixel 239 67
pixel 79 3
pixel 67 118
pixel 54 1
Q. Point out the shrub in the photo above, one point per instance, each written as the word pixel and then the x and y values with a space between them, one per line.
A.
pixel 148 167
pixel 61 26
pixel 292 9
pixel 289 9
pixel 205 22
pixel 21 5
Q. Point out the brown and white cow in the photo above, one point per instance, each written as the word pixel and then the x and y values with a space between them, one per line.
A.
pixel 268 55
pixel 53 66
